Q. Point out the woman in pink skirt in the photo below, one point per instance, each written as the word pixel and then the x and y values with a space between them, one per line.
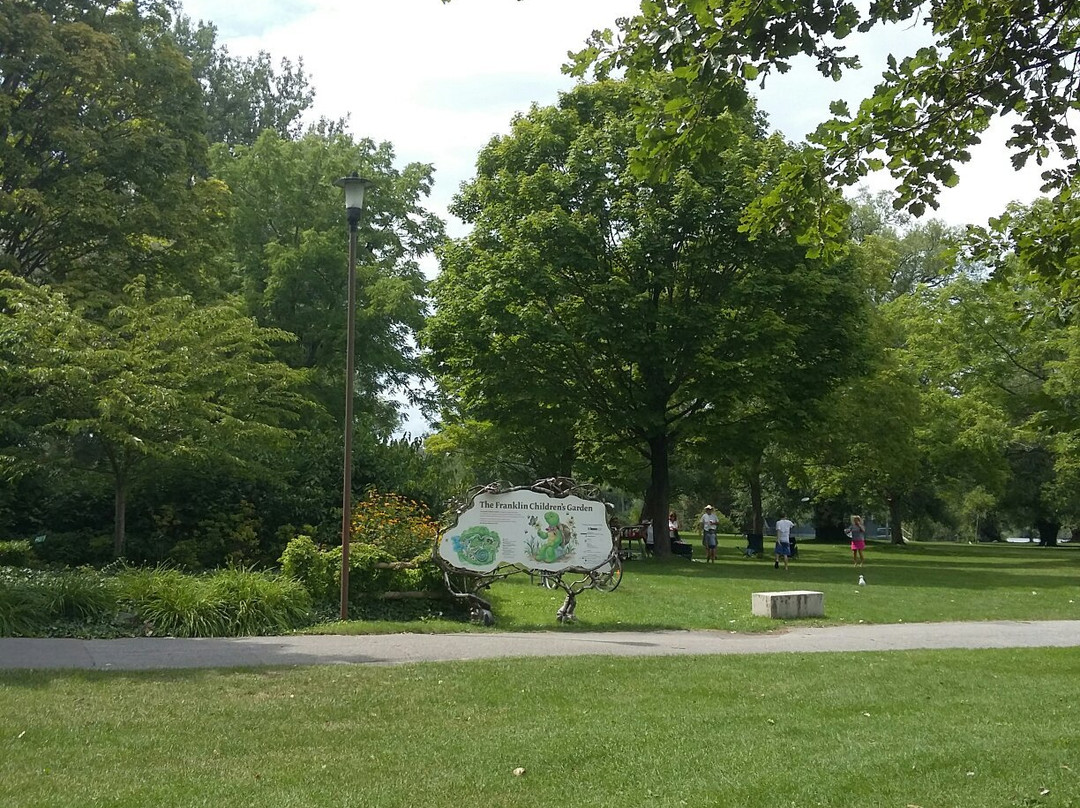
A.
pixel 858 540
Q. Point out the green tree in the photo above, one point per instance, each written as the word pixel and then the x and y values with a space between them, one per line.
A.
pixel 998 347
pixel 243 97
pixel 512 449
pixel 635 305
pixel 101 149
pixel 289 253
pixel 935 445
pixel 898 255
pixel 154 380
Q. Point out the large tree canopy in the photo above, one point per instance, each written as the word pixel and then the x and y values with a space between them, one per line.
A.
pixel 635 305
pixel 101 142
pixel 167 305
pixel 243 97
pixel 290 255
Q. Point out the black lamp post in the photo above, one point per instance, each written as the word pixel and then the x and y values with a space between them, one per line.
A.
pixel 354 205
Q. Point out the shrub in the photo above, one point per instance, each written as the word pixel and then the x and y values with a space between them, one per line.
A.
pixel 22 604
pixel 86 602
pixel 370 573
pixel 31 603
pixel 259 603
pixel 75 548
pixel 304 562
pixel 723 523
pixel 424 577
pixel 16 554
pixel 227 603
pixel 83 594
pixel 401 527
pixel 185 555
pixel 231 537
pixel 173 604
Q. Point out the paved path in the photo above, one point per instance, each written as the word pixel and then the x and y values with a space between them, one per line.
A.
pixel 392 649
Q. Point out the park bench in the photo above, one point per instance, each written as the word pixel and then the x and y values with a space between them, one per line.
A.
pixel 627 536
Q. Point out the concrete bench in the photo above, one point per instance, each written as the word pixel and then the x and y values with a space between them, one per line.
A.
pixel 798 603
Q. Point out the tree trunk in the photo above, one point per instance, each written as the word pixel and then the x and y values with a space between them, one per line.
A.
pixel 753 478
pixel 119 515
pixel 1048 532
pixel 830 519
pixel 566 461
pixel 656 499
pixel 896 524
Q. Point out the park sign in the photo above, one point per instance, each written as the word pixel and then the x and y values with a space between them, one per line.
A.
pixel 528 529
pixel 554 529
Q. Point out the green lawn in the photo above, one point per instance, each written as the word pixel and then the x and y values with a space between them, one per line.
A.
pixel 956 728
pixel 913 583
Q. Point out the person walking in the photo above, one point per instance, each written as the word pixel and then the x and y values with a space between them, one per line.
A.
pixel 857 533
pixel 709 524
pixel 782 550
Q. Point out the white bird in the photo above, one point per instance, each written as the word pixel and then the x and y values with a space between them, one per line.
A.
pixel 862 581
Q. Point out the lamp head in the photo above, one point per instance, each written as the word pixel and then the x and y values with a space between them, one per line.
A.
pixel 354 186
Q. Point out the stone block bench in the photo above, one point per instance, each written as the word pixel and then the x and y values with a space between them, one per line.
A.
pixel 797 603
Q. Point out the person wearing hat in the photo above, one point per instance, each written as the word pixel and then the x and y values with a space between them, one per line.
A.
pixel 709 523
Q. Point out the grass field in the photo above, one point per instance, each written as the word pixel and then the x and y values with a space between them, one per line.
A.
pixel 912 583
pixel 903 729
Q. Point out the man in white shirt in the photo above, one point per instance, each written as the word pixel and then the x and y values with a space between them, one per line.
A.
pixel 784 527
pixel 709 524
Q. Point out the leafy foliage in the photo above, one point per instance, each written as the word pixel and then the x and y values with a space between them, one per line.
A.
pixel 161 601
pixel 987 59
pixel 33 601
pixel 16 553
pixel 136 267
pixel 102 151
pixel 157 379
pixel 289 247
pixel 243 97
pixel 304 562
pixel 373 571
pixel 1045 239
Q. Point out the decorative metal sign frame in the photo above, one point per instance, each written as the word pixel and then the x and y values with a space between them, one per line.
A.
pixel 555 530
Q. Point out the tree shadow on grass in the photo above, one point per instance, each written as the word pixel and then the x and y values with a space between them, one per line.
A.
pixel 892 569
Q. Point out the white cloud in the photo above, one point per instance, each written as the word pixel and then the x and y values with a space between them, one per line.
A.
pixel 439 80
pixel 248 19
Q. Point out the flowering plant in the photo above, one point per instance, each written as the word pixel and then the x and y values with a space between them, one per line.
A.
pixel 400 526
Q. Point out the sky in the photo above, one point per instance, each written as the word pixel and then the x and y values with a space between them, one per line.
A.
pixel 438 81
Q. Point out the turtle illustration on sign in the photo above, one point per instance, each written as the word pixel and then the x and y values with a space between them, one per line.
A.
pixel 554 540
